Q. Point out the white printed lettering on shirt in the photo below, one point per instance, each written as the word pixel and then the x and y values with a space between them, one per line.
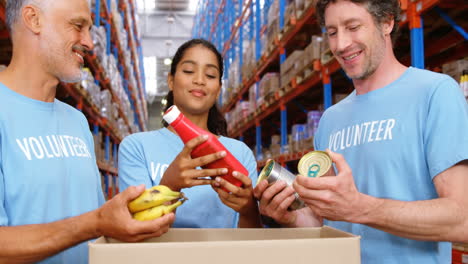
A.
pixel 158 169
pixel 67 138
pixel 154 171
pixel 348 136
pixel 24 147
pixel 372 131
pixel 76 147
pixel 45 148
pixel 36 148
pixel 388 131
pixel 342 139
pixel 356 135
pixel 56 149
pixel 63 147
pixel 53 147
pixel 379 130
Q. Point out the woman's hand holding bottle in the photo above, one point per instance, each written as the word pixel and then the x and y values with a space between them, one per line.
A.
pixel 183 172
pixel 240 199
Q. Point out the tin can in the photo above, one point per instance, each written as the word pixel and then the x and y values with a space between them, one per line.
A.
pixel 273 172
pixel 314 164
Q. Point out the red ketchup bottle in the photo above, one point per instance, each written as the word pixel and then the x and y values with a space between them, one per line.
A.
pixel 188 130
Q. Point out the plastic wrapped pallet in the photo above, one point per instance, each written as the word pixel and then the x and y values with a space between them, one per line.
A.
pixel 455 68
pixel 269 84
pixel 291 66
pixel 290 13
pixel 252 98
pixel 317 47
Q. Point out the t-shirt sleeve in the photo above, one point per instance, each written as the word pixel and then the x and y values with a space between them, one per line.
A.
pixel 3 214
pixel 132 165
pixel 445 136
pixel 316 144
pixel 317 137
pixel 251 165
pixel 99 191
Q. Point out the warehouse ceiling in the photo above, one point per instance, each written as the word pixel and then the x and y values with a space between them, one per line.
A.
pixel 167 5
pixel 164 25
pixel 172 5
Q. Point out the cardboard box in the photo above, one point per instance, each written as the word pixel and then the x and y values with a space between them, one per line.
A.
pixel 231 246
pixel 290 61
pixel 455 68
pixel 290 14
pixel 317 46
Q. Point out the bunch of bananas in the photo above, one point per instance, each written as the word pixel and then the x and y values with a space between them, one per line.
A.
pixel 155 202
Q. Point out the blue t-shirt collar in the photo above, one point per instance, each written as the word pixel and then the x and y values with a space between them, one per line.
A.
pixel 29 102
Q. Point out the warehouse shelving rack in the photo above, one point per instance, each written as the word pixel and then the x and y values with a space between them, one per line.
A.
pixel 249 15
pixel 75 95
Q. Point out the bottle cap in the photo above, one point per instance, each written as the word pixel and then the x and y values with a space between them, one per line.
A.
pixel 171 114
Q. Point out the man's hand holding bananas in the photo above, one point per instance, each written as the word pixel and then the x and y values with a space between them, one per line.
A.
pixel 155 202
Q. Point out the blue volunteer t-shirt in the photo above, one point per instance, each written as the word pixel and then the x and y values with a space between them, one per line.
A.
pixel 396 140
pixel 144 157
pixel 48 168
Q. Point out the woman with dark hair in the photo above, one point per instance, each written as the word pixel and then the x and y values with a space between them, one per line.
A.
pixel 160 157
pixel 216 122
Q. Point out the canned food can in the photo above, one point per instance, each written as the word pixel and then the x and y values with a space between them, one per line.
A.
pixel 273 172
pixel 314 164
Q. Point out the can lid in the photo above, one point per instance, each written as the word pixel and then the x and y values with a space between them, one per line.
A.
pixel 171 114
pixel 314 164
pixel 265 173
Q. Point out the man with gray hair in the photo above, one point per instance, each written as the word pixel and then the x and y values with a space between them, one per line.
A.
pixel 50 188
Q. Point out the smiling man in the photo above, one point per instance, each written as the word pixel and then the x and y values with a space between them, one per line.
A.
pixel 50 188
pixel 399 144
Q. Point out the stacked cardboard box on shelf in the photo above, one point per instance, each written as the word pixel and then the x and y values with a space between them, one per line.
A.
pixel 272 37
pixel 272 30
pixel 245 110
pixel 252 99
pixel 238 115
pixel 248 63
pixel 326 54
pixel 295 9
pixel 289 15
pixel 311 53
pixel 233 82
pixel 301 6
pixel 318 46
pixel 269 84
pixel 291 66
pixel 308 53
pixel 455 68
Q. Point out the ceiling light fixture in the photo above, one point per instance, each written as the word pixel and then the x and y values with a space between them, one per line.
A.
pixel 167 61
